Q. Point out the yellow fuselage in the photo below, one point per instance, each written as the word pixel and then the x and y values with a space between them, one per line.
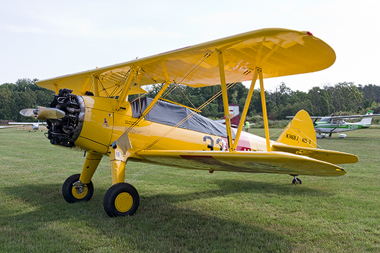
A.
pixel 104 123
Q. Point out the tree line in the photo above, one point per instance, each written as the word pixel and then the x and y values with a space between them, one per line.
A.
pixel 22 94
pixel 342 98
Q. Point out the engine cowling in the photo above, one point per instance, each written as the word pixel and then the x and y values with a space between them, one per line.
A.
pixel 66 130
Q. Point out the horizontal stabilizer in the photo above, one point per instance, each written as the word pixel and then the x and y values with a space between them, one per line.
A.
pixel 254 162
pixel 330 156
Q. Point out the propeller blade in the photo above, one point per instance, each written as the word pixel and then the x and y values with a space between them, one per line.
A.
pixel 27 112
pixel 43 113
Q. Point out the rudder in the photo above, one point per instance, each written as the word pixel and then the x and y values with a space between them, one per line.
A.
pixel 299 132
pixel 367 121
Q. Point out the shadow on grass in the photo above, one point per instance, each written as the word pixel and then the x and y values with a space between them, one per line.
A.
pixel 233 186
pixel 161 223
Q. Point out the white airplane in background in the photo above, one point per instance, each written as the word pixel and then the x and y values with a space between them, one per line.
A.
pixel 34 125
pixel 6 127
pixel 337 124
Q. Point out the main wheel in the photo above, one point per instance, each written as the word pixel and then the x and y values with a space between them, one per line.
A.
pixel 74 191
pixel 121 199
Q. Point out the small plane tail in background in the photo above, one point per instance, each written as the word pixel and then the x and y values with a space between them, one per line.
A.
pixel 367 120
pixel 235 120
pixel 299 132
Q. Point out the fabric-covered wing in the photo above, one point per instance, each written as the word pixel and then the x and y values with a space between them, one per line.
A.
pixel 354 116
pixel 279 52
pixel 254 162
pixel 1 127
pixel 329 156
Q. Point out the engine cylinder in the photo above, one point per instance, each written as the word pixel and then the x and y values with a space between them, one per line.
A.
pixel 66 130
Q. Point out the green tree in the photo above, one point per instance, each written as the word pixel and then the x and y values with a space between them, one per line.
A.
pixel 23 94
pixel 321 101
pixel 6 102
pixel 346 97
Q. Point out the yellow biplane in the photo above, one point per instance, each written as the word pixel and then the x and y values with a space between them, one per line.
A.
pixel 91 111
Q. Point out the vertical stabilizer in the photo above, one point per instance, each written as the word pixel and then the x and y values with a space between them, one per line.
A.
pixel 234 108
pixel 299 132
pixel 367 120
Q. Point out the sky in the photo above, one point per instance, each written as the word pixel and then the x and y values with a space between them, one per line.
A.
pixel 44 39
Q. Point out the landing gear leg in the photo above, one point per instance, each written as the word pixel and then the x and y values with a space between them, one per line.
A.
pixel 121 199
pixel 79 187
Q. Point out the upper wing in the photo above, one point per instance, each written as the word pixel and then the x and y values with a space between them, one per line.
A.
pixel 354 116
pixel 278 52
pixel 25 123
pixel 340 117
pixel 7 126
pixel 255 162
pixel 312 117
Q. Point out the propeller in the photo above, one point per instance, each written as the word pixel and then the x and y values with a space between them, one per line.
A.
pixel 43 113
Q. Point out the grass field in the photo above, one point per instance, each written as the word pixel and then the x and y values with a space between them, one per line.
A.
pixel 188 210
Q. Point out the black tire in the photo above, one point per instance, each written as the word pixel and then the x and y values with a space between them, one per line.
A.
pixel 73 194
pixel 296 181
pixel 121 199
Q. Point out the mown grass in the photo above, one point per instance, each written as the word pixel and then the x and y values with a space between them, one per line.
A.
pixel 187 210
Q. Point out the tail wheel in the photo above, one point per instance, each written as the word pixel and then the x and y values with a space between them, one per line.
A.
pixel 121 199
pixel 74 191
pixel 296 180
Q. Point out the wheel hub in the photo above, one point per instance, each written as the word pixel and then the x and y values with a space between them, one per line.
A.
pixel 79 190
pixel 123 202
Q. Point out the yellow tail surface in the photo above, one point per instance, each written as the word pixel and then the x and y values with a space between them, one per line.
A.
pixel 299 132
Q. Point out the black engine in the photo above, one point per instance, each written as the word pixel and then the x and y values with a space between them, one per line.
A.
pixel 66 130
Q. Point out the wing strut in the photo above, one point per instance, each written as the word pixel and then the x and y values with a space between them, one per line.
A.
pixel 264 107
pixel 225 99
pixel 157 97
pixel 127 84
pixel 56 88
pixel 95 84
pixel 86 86
pixel 245 110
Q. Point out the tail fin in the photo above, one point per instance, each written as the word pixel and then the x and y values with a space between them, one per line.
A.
pixel 234 108
pixel 299 132
pixel 368 120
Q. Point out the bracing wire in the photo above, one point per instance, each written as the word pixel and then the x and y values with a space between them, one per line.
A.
pixel 119 84
pixel 168 92
pixel 190 115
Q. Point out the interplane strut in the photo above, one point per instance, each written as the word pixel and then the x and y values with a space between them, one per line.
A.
pixel 225 98
pixel 245 110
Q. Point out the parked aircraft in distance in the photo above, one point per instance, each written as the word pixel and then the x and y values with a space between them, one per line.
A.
pixel 34 125
pixel 3 127
pixel 91 110
pixel 234 114
pixel 337 124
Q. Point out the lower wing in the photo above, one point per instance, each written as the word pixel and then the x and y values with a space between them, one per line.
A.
pixel 254 162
